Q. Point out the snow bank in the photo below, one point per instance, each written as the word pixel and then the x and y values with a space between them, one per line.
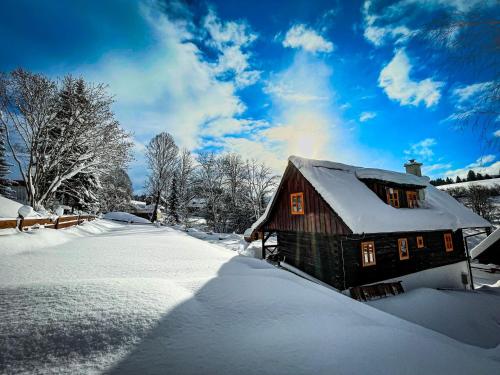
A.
pixel 13 241
pixel 142 299
pixel 125 217
pixel 470 317
pixel 9 208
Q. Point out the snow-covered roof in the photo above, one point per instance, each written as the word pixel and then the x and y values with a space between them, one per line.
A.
pixel 485 244
pixel 363 211
pixel 390 176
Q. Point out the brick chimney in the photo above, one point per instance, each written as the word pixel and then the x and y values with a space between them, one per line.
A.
pixel 413 167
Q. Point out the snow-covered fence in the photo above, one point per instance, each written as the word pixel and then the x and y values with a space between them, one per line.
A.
pixel 57 223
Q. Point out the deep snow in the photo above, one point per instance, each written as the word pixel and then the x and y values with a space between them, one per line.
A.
pixel 9 209
pixel 132 299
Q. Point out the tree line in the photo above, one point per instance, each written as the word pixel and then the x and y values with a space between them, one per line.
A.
pixel 235 191
pixel 69 149
pixel 471 176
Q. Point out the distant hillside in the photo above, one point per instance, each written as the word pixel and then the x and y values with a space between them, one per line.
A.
pixel 485 183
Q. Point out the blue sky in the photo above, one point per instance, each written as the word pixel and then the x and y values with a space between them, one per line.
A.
pixel 342 80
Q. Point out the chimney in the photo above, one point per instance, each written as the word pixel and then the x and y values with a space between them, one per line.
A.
pixel 413 167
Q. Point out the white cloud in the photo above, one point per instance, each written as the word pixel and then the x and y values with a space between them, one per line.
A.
pixel 301 36
pixel 306 81
pixel 229 33
pixel 421 150
pixel 428 169
pixel 365 116
pixel 478 166
pixel 174 87
pixel 496 133
pixel 466 93
pixel 397 84
pixel 230 39
pixel 481 161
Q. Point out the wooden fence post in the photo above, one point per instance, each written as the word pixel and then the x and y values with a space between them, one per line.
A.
pixel 57 223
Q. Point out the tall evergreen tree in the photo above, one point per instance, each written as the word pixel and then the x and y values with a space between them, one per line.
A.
pixel 471 176
pixel 5 183
pixel 173 202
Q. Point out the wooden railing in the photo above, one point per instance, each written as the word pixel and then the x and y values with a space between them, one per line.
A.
pixel 59 222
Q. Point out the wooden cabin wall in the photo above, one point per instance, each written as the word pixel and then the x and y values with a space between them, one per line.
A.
pixel 316 254
pixel 388 265
pixel 318 217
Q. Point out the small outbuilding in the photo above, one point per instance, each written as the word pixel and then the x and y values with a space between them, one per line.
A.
pixel 350 226
pixel 488 250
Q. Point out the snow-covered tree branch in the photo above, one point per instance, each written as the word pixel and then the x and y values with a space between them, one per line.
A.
pixel 59 130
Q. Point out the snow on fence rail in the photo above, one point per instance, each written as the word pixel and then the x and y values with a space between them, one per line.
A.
pixel 56 223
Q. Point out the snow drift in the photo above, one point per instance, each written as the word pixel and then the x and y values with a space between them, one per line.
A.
pixel 141 299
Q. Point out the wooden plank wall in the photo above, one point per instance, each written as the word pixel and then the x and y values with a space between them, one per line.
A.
pixel 59 223
pixel 318 216
pixel 317 254
pixel 388 265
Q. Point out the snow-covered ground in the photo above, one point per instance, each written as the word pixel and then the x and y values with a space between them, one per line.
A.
pixel 484 183
pixel 136 299
pixel 9 209
pixel 125 217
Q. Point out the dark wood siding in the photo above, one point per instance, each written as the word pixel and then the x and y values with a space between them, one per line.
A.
pixel 326 257
pixel 314 253
pixel 388 265
pixel 318 216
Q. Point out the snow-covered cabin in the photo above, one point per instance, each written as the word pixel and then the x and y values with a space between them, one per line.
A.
pixel 350 226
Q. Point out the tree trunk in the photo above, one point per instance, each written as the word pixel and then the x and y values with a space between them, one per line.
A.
pixel 155 211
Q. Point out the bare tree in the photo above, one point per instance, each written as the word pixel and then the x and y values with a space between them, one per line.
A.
pixel 116 191
pixel 185 182
pixel 210 185
pixel 87 140
pixel 261 181
pixel 162 157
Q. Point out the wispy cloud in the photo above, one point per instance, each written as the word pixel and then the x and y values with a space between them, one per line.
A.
pixel 304 37
pixel 365 116
pixel 478 166
pixel 422 150
pixel 395 80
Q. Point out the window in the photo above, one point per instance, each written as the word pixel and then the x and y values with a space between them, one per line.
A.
pixel 297 203
pixel 411 197
pixel 403 249
pixel 448 242
pixel 368 253
pixel 392 197
pixel 420 242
